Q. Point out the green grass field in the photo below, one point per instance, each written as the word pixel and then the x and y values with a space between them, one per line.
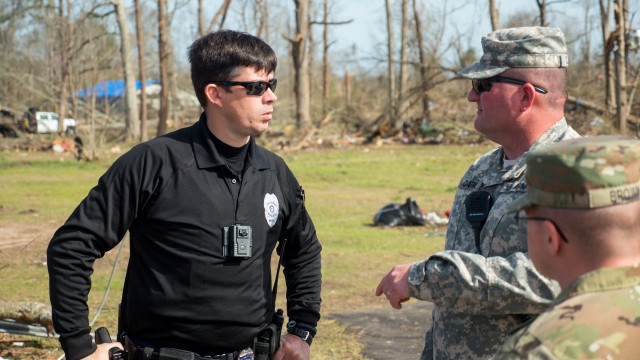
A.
pixel 344 189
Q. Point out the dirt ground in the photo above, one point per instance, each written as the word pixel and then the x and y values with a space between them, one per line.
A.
pixel 388 333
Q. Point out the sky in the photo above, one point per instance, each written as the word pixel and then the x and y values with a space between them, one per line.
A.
pixel 468 20
pixel 361 44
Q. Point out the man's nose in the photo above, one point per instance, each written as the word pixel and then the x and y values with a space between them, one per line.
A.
pixel 270 96
pixel 473 96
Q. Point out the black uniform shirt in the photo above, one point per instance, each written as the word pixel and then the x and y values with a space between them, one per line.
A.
pixel 175 196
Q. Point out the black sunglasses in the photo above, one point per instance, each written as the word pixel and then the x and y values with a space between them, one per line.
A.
pixel 254 88
pixel 519 218
pixel 482 85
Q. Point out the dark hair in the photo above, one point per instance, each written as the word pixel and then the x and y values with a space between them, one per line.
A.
pixel 222 54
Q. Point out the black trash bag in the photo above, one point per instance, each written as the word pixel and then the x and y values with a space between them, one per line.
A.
pixel 408 213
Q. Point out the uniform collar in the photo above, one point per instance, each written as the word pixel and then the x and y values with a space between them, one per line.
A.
pixel 553 134
pixel 207 155
pixel 602 280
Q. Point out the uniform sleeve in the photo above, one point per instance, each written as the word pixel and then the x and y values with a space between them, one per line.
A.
pixel 95 226
pixel 302 261
pixel 466 282
pixel 497 278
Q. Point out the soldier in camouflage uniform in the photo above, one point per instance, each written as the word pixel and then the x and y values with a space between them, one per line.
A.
pixel 483 284
pixel 582 209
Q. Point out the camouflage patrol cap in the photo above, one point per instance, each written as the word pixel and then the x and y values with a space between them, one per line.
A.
pixel 523 47
pixel 584 173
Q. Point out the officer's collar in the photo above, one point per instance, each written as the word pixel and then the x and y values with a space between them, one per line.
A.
pixel 207 155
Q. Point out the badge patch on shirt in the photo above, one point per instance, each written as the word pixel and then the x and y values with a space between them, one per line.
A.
pixel 271 209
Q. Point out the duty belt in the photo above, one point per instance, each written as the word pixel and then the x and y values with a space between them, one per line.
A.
pixel 146 353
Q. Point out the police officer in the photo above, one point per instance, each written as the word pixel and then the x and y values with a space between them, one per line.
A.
pixel 483 284
pixel 205 207
pixel 583 226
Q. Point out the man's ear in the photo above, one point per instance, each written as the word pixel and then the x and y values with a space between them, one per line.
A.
pixel 553 242
pixel 212 93
pixel 529 94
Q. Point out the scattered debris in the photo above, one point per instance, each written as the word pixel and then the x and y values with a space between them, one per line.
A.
pixel 408 213
pixel 26 313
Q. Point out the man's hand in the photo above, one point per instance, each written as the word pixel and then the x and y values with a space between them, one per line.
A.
pixel 395 285
pixel 102 352
pixel 292 348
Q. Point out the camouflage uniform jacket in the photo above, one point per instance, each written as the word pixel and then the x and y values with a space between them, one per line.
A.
pixel 480 296
pixel 596 317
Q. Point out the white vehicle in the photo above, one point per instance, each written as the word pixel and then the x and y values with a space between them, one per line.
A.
pixel 47 122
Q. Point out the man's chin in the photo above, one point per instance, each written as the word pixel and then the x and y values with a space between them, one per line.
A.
pixel 260 129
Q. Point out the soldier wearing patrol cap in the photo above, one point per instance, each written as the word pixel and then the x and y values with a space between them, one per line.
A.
pixel 582 207
pixel 483 284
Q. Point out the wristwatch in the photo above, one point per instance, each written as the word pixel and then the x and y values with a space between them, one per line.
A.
pixel 304 331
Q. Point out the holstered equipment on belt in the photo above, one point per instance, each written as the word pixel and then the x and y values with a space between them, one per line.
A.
pixel 135 352
pixel 267 342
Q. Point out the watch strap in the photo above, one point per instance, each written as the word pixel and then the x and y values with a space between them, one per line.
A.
pixel 301 330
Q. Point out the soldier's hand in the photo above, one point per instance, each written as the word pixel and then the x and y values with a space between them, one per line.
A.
pixel 395 285
pixel 292 348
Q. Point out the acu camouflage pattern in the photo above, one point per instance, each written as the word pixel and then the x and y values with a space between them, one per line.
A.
pixel 523 47
pixel 596 317
pixel 480 298
pixel 583 174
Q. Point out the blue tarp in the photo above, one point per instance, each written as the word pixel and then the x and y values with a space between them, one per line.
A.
pixel 110 88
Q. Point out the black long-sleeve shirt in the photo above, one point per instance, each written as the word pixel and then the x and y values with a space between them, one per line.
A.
pixel 174 194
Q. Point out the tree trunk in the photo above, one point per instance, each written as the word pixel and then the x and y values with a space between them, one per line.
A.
pixel 494 14
pixel 132 125
pixel 164 92
pixel 171 66
pixel 201 30
pixel 608 41
pixel 621 66
pixel 301 64
pixel 263 16
pixel 220 15
pixel 27 312
pixel 325 60
pixel 404 65
pixel 65 38
pixel 144 133
pixel 347 89
pixel 424 80
pixel 391 69
pixel 586 46
pixel 542 6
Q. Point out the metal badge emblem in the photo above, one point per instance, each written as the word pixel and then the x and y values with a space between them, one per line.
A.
pixel 271 209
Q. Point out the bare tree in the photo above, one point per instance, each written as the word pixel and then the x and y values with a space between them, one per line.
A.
pixel 66 37
pixel 132 124
pixel 608 39
pixel 220 16
pixel 326 76
pixel 620 11
pixel 325 59
pixel 424 77
pixel 144 133
pixel 262 14
pixel 301 64
pixel 494 14
pixel 164 79
pixel 542 6
pixel 404 64
pixel 391 68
